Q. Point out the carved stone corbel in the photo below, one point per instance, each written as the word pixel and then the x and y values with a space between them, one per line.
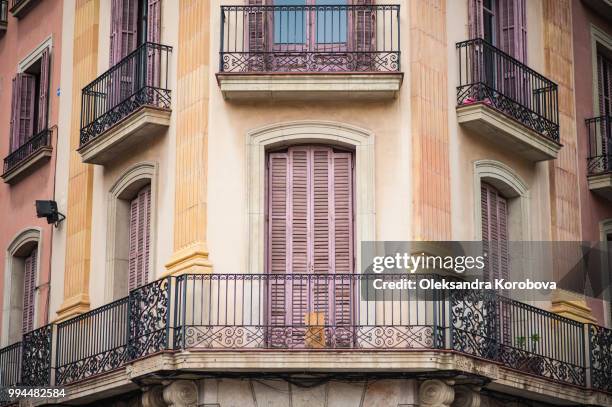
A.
pixel 181 393
pixel 466 396
pixel 435 393
pixel 153 397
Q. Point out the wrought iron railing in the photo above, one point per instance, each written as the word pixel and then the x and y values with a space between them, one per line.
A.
pixel 214 312
pixel 105 348
pixel 140 79
pixel 28 149
pixel 490 76
pixel 599 131
pixel 3 11
pixel 322 38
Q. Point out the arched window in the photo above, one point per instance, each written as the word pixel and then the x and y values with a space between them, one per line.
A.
pixel 20 286
pixel 131 226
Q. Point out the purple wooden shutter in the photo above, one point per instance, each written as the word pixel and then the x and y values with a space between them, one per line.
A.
pixel 256 36
pixel 29 290
pixel 26 107
pixel 139 236
pixel 495 232
pixel 124 26
pixel 512 24
pixel 475 19
pixel 364 34
pixel 15 108
pixel 310 236
pixel 43 94
pixel 153 36
pixel 278 259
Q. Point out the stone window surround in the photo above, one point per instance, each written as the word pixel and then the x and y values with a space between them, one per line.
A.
pixel 512 187
pixel 26 237
pixel 119 194
pixel 598 36
pixel 308 131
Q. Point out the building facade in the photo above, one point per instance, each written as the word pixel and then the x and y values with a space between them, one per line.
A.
pixel 219 166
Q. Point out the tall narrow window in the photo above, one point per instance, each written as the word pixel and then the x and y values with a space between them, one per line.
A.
pixel 29 105
pixel 310 236
pixel 139 234
pixel 494 209
pixel 29 291
pixel 604 84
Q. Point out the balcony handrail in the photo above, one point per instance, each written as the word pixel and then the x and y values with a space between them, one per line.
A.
pixel 491 76
pixel 123 60
pixel 525 67
pixel 157 315
pixel 42 139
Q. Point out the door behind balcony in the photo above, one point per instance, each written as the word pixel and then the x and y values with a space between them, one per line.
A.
pixel 310 248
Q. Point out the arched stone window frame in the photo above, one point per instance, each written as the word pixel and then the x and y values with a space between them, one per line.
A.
pixel 512 187
pixel 299 132
pixel 126 186
pixel 11 329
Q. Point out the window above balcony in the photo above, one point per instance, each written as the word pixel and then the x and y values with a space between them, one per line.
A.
pixel 599 161
pixel 126 105
pixel 307 49
pixel 505 101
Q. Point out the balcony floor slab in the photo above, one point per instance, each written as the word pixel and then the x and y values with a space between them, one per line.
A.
pixel 506 132
pixel 137 127
pixel 27 165
pixel 601 184
pixel 309 86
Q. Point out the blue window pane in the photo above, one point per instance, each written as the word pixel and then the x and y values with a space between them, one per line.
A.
pixel 290 24
pixel 331 23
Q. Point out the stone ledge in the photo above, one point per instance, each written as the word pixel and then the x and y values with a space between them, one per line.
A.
pixel 27 165
pixel 143 123
pixel 506 132
pixel 310 86
pixel 601 184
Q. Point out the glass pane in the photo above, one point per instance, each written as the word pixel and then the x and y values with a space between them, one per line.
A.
pixel 331 22
pixel 290 23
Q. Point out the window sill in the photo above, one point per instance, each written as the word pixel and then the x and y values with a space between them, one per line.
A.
pixel 145 122
pixel 309 86
pixel 601 184
pixel 507 132
pixel 27 166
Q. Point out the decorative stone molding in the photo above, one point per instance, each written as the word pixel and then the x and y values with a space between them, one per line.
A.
pixel 466 396
pixel 436 393
pixel 308 131
pixel 181 393
pixel 153 397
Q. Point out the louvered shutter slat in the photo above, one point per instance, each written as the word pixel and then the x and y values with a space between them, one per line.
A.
pixel 133 246
pixel 140 237
pixel 153 35
pixel 15 109
pixel 364 33
pixel 26 111
pixel 43 92
pixel 29 289
pixel 495 232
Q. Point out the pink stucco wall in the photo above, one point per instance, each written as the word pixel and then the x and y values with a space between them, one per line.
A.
pixel 17 211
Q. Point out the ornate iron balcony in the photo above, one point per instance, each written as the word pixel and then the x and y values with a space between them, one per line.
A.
pixel 490 76
pixel 140 79
pixel 599 130
pixel 27 150
pixel 307 39
pixel 322 312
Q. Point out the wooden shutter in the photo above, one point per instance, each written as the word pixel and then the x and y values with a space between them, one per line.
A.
pixel 475 19
pixel 29 291
pixel 364 33
pixel 257 28
pixel 494 209
pixel 15 108
pixel 139 235
pixel 154 21
pixel 43 93
pixel 27 95
pixel 124 29
pixel 310 236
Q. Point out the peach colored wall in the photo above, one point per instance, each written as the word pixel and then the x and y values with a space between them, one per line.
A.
pixel 594 207
pixel 17 211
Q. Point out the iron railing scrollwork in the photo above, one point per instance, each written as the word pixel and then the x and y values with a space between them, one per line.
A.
pixel 310 38
pixel 104 350
pixel 36 348
pixel 316 311
pixel 599 131
pixel 28 149
pixel 140 79
pixel 149 319
pixel 600 355
pixel 490 76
